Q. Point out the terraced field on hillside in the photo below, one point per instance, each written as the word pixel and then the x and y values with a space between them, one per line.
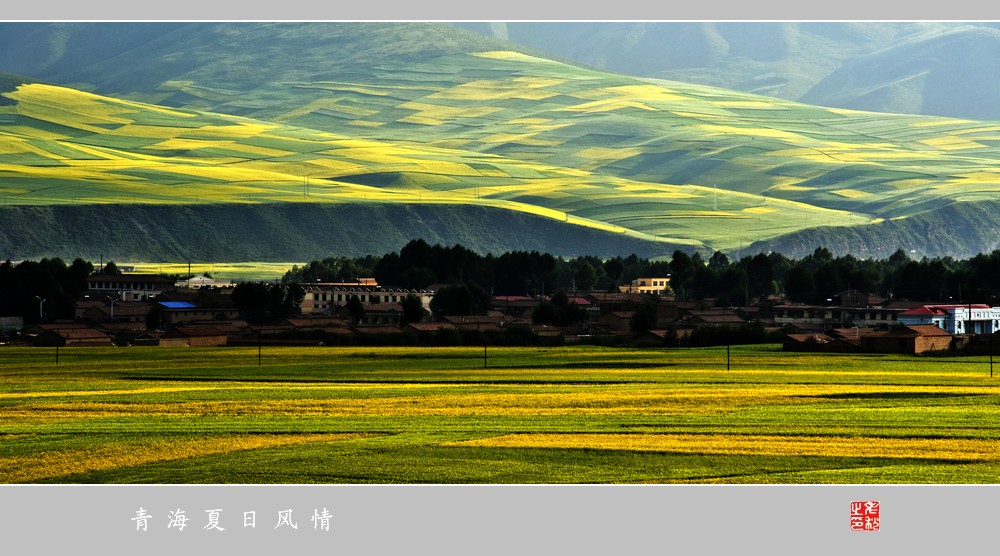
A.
pixel 682 164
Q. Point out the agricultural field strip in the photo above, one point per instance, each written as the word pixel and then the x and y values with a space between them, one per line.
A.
pixel 455 398
pixel 116 454
pixel 852 446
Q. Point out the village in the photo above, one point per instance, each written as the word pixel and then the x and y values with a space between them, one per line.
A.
pixel 133 309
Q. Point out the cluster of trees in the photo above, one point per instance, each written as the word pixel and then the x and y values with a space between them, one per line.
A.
pixel 42 289
pixel 261 302
pixel 817 277
pixel 332 269
pixel 419 265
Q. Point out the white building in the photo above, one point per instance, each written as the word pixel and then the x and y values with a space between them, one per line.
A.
pixel 129 287
pixel 956 319
pixel 325 299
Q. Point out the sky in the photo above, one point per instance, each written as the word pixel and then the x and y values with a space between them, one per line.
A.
pixel 509 10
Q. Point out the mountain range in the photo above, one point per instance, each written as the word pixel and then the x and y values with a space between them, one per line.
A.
pixel 924 67
pixel 296 140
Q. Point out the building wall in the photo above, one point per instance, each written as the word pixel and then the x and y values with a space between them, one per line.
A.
pixel 925 344
pixel 648 285
pixel 320 301
pixel 868 316
pixel 207 341
pixel 194 341
pixel 89 341
pixel 174 316
pixel 128 288
pixel 956 320
pixel 906 344
pixel 889 344
pixel 173 342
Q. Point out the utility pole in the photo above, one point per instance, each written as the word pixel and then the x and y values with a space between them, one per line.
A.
pixel 479 327
pixel 40 303
pixel 970 329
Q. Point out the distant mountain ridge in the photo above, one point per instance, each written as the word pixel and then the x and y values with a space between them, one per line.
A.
pixel 118 58
pixel 930 68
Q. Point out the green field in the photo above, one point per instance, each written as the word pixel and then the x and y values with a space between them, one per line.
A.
pixel 237 272
pixel 536 415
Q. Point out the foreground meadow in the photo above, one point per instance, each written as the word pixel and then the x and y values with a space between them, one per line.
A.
pixel 535 415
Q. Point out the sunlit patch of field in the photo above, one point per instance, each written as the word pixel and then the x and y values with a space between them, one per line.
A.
pixel 326 104
pixel 487 90
pixel 750 444
pixel 222 271
pixel 949 143
pixel 514 56
pixel 851 193
pixel 117 454
pixel 759 210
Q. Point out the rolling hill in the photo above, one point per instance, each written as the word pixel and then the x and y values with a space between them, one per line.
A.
pixel 941 68
pixel 429 123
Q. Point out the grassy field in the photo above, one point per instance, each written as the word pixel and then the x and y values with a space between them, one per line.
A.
pixel 536 415
pixel 237 272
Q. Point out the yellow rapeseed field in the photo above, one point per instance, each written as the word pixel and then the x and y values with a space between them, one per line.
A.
pixel 851 193
pixel 952 143
pixel 752 444
pixel 42 465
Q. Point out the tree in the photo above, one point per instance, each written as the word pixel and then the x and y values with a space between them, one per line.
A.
pixel 460 300
pixel 718 261
pixel 585 276
pixel 760 274
pixel 259 302
pixel 413 309
pixel 614 269
pixel 799 285
pixel 155 317
pixel 355 309
pixel 682 271
pixel 292 299
pixel 644 318
pixel 252 299
pixel 558 311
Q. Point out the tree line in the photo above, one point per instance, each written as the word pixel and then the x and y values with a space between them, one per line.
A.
pixel 819 276
pixel 52 285
pixel 419 265
pixel 45 289
pixel 815 278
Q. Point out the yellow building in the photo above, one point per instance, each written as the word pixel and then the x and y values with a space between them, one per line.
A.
pixel 657 286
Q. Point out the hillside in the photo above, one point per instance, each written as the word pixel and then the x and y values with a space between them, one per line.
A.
pixel 103 57
pixel 948 72
pixel 937 68
pixel 664 163
pixel 287 232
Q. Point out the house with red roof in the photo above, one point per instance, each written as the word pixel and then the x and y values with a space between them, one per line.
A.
pixel 972 318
